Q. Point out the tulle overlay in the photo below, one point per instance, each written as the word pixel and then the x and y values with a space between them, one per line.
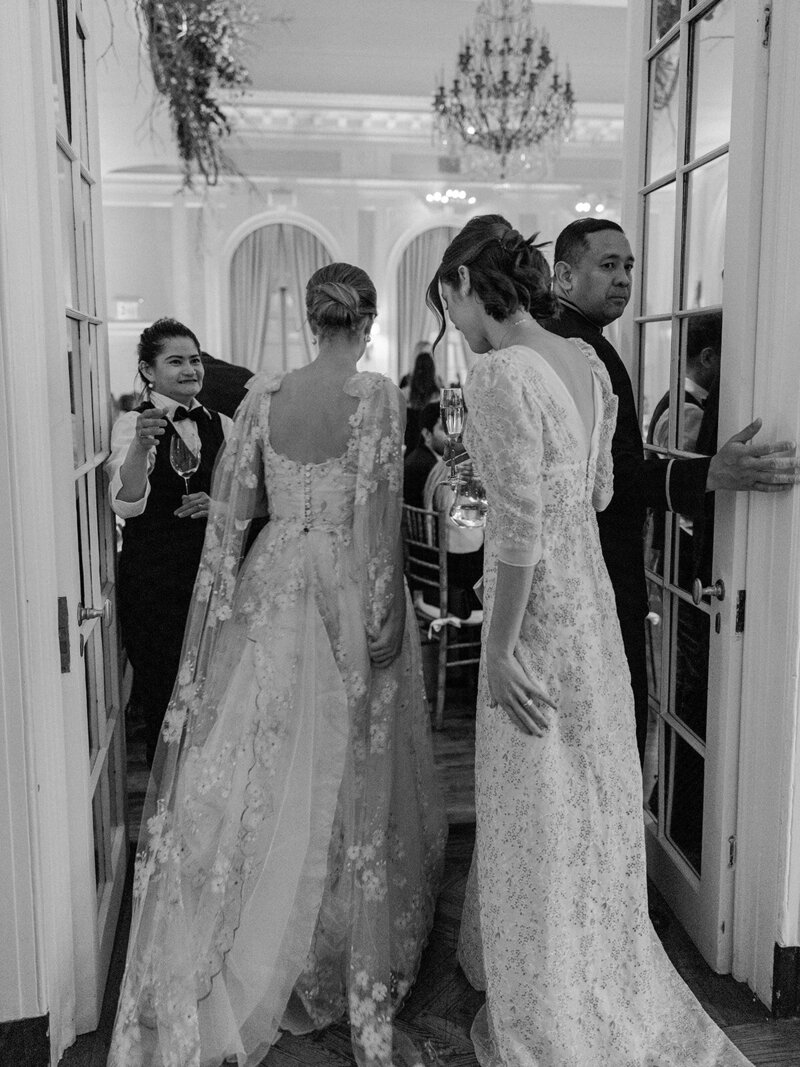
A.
pixel 555 924
pixel 293 836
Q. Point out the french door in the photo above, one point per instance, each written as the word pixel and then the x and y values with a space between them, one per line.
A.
pixel 702 83
pixel 90 646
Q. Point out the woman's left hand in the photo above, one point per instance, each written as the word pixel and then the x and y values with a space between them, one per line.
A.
pixel 519 696
pixel 385 648
pixel 194 506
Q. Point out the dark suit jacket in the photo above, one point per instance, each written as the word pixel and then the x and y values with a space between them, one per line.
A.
pixel 224 385
pixel 637 484
pixel 416 467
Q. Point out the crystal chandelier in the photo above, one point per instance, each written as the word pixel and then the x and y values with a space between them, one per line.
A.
pixel 508 107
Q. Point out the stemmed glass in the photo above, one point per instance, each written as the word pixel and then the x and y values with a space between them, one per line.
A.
pixel 470 505
pixel 183 460
pixel 452 405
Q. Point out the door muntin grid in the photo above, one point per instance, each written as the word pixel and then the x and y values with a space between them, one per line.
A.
pixel 690 87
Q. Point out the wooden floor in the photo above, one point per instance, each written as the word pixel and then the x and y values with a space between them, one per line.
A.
pixel 441 1006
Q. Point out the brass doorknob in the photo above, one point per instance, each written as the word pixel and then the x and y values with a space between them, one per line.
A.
pixel 699 590
pixel 104 613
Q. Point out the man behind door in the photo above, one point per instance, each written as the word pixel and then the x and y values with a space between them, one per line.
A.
pixel 593 266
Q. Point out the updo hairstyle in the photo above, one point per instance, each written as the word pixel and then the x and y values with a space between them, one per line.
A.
pixel 506 271
pixel 154 338
pixel 340 297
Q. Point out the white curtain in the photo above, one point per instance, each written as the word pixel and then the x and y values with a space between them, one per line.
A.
pixel 307 255
pixel 415 322
pixel 272 257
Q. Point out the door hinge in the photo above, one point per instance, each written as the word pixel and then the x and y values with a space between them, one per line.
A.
pixel 732 850
pixel 63 634
pixel 741 596
pixel 767 25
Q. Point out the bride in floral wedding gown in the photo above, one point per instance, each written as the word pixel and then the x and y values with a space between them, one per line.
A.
pixel 292 849
pixel 555 924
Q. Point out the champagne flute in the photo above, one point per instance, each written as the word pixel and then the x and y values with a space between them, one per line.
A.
pixel 183 460
pixel 452 405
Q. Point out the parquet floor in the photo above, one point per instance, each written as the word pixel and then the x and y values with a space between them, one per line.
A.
pixel 441 1006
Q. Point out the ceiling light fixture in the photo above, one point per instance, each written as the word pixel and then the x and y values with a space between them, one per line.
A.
pixel 508 109
pixel 455 195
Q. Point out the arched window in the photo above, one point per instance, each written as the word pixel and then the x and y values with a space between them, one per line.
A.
pixel 416 322
pixel 268 277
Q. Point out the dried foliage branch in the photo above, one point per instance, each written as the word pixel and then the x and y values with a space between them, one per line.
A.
pixel 195 49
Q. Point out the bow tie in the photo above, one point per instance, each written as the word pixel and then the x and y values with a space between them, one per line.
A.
pixel 196 414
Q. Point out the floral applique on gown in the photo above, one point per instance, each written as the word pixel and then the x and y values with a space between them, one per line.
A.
pixel 555 922
pixel 291 853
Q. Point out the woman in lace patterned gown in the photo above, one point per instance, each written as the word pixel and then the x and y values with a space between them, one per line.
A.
pixel 292 846
pixel 555 924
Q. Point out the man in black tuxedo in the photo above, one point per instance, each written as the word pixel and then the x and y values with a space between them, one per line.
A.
pixel 593 266
pixel 223 384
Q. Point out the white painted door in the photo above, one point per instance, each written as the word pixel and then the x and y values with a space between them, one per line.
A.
pixel 702 86
pixel 90 645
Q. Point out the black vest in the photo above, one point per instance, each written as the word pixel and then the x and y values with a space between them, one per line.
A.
pixel 160 550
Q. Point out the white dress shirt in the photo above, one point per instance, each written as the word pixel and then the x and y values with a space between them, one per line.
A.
pixel 122 436
pixel 692 417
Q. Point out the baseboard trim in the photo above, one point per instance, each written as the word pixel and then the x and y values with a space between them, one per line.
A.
pixel 25 1042
pixel 786 981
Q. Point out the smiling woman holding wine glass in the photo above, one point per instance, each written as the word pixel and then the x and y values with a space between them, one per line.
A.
pixel 160 451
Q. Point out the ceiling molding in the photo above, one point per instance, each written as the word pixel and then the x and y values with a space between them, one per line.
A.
pixel 343 116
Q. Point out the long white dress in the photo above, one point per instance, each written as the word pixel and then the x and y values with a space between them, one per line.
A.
pixel 292 849
pixel 574 972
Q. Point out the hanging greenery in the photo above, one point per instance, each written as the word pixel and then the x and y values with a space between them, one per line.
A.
pixel 195 48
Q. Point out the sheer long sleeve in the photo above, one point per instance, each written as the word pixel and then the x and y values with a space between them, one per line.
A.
pixel 603 489
pixel 504 437
pixel 379 493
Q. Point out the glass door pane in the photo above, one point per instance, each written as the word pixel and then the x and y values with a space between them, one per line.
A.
pixel 664 17
pixel 660 230
pixel 712 69
pixel 706 215
pixel 662 134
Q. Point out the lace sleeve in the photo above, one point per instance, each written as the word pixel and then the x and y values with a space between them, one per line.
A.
pixel 603 488
pixel 504 436
pixel 378 500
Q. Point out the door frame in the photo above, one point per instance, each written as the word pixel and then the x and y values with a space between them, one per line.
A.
pixel 43 818
pixel 95 911
pixel 767 914
pixel 706 907
pixel 35 884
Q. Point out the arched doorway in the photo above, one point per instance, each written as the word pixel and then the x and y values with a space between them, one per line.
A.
pixel 415 321
pixel 268 276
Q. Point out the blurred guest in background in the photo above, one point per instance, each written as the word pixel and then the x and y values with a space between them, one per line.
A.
pixel 223 384
pixel 423 389
pixel 426 452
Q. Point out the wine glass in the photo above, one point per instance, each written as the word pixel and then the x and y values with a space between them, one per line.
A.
pixel 452 405
pixel 183 460
pixel 470 505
